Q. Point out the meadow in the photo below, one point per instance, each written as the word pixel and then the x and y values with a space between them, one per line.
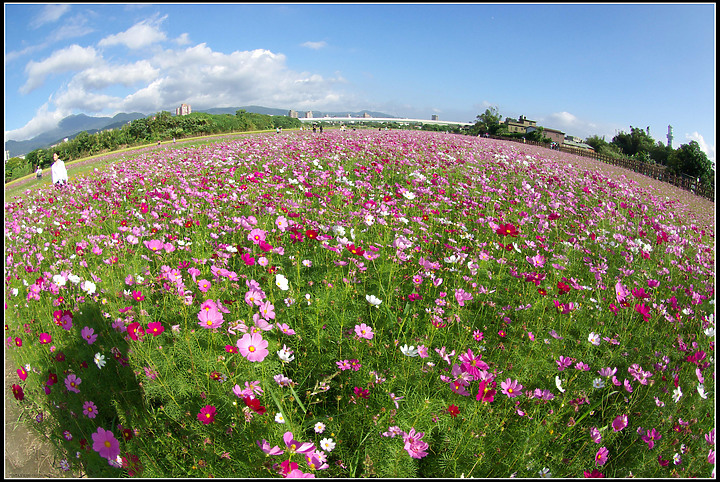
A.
pixel 364 303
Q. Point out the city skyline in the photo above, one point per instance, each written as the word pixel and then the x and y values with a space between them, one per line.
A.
pixel 585 69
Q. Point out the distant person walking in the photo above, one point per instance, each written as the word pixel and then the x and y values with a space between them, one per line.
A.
pixel 314 129
pixel 58 171
pixel 38 173
pixel 320 128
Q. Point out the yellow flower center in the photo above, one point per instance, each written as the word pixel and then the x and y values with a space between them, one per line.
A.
pixel 251 348
pixel 107 443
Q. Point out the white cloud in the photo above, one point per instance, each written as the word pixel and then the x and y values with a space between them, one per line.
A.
pixel 165 78
pixel 314 45
pixel 709 150
pixel 183 39
pixel 43 121
pixel 71 58
pixel 49 14
pixel 140 35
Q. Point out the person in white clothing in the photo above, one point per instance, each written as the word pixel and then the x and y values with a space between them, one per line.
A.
pixel 58 171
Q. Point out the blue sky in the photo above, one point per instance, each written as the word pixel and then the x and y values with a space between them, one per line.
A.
pixel 584 69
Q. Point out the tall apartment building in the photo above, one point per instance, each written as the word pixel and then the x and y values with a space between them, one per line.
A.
pixel 293 114
pixel 184 109
pixel 308 114
pixel 434 117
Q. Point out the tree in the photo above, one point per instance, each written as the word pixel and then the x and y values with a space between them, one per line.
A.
pixel 688 159
pixel 660 153
pixel 487 122
pixel 638 140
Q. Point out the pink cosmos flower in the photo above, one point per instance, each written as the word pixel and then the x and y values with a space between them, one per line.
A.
pixel 601 456
pixel 154 245
pixel 253 347
pixel 511 388
pixel 595 435
pixel 105 443
pixel 364 331
pixel 204 285
pixel 45 338
pixel 256 235
pixel 72 382
pixel 267 310
pixel 296 447
pixel 210 318
pixel 461 296
pixel 265 447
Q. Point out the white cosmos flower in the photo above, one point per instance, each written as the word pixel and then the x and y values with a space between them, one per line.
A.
pixel 701 391
pixel 286 354
pixel 408 195
pixel 373 300
pixel 677 394
pixel 558 384
pixel 409 351
pixel 710 331
pixel 89 287
pixel 281 282
pixel 279 418
pixel 594 338
pixel 73 278
pixel 59 280
pixel 327 444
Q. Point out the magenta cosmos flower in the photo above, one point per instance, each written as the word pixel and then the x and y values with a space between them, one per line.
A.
pixel 620 422
pixel 364 331
pixel 90 409
pixel 105 443
pixel 45 338
pixel 253 347
pixel 89 335
pixel 207 414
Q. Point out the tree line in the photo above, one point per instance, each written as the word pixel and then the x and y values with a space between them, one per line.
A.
pixel 687 160
pixel 159 127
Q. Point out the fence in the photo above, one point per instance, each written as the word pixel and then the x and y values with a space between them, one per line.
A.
pixel 653 171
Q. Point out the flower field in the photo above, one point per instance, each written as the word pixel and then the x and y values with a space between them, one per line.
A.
pixel 365 303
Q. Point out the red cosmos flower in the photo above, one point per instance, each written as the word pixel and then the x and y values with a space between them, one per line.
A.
pixel 595 474
pixel 542 292
pixel 18 392
pixel 453 411
pixel 311 233
pixel 254 404
pixel 507 230
pixel 563 288
pixel 354 249
pixel 135 331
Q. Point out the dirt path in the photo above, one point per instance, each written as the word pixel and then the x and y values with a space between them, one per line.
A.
pixel 26 454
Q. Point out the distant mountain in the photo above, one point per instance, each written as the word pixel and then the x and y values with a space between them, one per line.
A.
pixel 70 127
pixel 73 125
